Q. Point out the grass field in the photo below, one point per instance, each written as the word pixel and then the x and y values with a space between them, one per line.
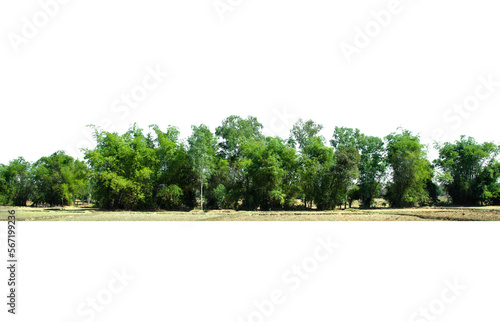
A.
pixel 353 214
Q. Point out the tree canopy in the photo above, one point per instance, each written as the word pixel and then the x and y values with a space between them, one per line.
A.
pixel 411 171
pixel 237 167
pixel 470 171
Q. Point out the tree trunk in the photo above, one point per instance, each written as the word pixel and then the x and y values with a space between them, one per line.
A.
pixel 201 194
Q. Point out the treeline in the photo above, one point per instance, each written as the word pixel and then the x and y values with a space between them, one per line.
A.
pixel 237 167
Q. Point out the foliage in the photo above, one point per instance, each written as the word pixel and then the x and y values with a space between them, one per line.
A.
pixel 170 197
pixel 237 167
pixel 202 148
pixel 372 164
pixel 59 179
pixel 372 169
pixel 15 182
pixel 138 171
pixel 411 171
pixel 302 132
pixel 220 197
pixel 470 171
pixel 337 180
pixel 234 131
pixel 314 163
pixel 269 173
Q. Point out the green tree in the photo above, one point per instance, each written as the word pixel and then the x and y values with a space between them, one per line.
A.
pixel 125 169
pixel 469 171
pixel 270 168
pixel 234 131
pixel 238 167
pixel 202 149
pixel 372 166
pixel 15 182
pixel 175 168
pixel 233 134
pixel 337 180
pixel 220 197
pixel 346 137
pixel 313 160
pixel 217 195
pixel 411 171
pixel 372 169
pixel 302 132
pixel 169 197
pixel 59 179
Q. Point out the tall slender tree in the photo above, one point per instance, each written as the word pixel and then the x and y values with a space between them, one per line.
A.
pixel 202 149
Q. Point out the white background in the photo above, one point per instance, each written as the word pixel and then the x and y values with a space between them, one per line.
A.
pixel 207 271
pixel 277 60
